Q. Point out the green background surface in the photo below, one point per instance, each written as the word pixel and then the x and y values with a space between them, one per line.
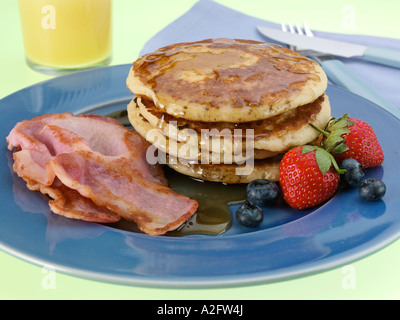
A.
pixel 134 22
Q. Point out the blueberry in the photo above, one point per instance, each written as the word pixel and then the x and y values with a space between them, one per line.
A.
pixel 249 215
pixel 354 172
pixel 372 189
pixel 262 192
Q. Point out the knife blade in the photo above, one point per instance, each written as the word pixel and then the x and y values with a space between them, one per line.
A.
pixel 341 76
pixel 386 56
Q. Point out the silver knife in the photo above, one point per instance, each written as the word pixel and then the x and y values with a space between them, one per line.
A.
pixel 340 75
pixel 386 56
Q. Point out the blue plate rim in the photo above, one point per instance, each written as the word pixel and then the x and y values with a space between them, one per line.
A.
pixel 192 281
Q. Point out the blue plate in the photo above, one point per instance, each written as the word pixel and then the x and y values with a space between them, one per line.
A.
pixel 288 243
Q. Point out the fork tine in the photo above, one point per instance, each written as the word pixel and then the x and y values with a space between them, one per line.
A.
pixel 307 30
pixel 299 30
pixel 284 28
pixel 291 28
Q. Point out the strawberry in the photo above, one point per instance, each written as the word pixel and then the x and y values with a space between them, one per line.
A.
pixel 353 138
pixel 308 176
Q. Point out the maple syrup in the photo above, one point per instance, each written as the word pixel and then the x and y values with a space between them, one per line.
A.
pixel 224 72
pixel 213 216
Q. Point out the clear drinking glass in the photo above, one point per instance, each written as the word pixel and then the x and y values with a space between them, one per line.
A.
pixel 66 35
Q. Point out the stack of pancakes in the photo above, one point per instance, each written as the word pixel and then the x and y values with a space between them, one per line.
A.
pixel 226 110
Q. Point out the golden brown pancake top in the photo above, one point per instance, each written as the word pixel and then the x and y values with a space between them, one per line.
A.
pixel 221 72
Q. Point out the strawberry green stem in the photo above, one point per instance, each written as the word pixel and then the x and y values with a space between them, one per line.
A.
pixel 335 165
pixel 333 146
pixel 324 133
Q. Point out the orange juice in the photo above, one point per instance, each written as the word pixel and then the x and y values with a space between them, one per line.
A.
pixel 66 34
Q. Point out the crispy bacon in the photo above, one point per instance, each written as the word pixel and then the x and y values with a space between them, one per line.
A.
pixel 71 204
pixel 95 169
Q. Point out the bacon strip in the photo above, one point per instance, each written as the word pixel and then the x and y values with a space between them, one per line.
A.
pixel 95 169
pixel 71 204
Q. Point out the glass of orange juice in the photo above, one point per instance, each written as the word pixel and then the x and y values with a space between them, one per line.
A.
pixel 61 36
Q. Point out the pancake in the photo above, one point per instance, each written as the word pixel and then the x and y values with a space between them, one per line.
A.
pixel 226 110
pixel 189 150
pixel 230 173
pixel 194 142
pixel 226 80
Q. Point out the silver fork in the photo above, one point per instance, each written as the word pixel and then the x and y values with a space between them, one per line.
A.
pixel 319 56
pixel 336 70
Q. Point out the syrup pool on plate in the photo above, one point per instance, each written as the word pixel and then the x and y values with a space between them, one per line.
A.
pixel 213 215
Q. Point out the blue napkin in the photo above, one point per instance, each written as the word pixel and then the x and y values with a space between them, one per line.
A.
pixel 208 19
